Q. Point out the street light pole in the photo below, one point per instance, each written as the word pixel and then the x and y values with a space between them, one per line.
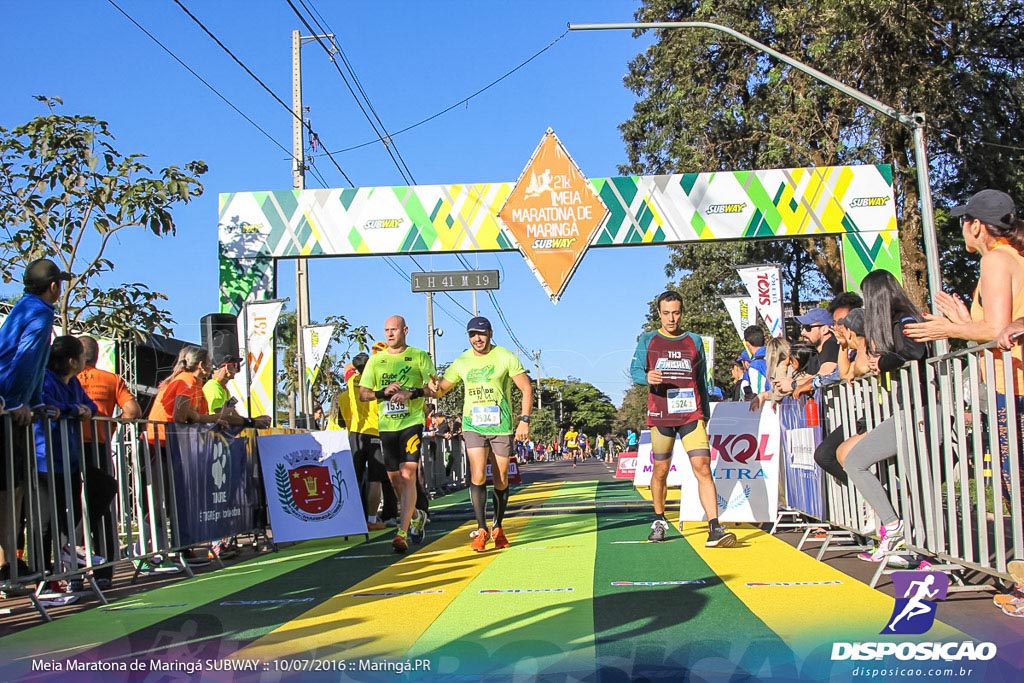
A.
pixel 916 122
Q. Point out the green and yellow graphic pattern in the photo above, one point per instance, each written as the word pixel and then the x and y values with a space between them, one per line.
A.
pixel 854 202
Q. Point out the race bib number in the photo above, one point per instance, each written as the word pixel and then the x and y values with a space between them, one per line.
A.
pixel 485 416
pixel 395 409
pixel 682 401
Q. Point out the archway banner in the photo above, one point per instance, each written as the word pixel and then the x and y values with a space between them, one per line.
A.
pixel 553 213
pixel 853 202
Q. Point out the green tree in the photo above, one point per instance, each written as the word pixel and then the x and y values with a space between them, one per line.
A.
pixel 542 425
pixel 708 102
pixel 583 405
pixel 66 194
pixel 632 414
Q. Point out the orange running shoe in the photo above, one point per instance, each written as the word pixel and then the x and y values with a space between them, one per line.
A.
pixel 399 544
pixel 480 537
pixel 500 541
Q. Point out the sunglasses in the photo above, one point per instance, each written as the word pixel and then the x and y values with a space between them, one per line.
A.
pixel 808 328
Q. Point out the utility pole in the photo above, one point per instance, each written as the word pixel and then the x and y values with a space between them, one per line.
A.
pixel 305 406
pixel 299 183
pixel 540 388
pixel 430 328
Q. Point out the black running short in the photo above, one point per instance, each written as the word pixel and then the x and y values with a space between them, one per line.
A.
pixel 401 447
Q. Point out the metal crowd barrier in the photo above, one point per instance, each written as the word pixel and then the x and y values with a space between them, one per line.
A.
pixel 445 467
pixel 138 523
pixel 952 428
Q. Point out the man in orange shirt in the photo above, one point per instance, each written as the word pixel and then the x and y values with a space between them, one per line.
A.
pixel 108 391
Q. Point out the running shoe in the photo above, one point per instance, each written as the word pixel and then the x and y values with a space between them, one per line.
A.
pixel 658 530
pixel 80 557
pixel 417 526
pixel 889 542
pixel 1014 598
pixel 150 568
pixel 399 545
pixel 479 537
pixel 375 526
pixel 500 542
pixel 718 537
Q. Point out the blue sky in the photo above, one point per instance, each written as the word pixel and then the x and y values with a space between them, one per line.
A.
pixel 414 60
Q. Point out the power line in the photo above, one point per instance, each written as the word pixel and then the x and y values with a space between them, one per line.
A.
pixel 256 78
pixel 382 133
pixel 462 101
pixel 384 136
pixel 200 78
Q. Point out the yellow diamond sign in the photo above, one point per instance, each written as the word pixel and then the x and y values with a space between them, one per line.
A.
pixel 553 214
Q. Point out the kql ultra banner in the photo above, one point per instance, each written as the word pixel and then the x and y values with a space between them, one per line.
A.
pixel 744 464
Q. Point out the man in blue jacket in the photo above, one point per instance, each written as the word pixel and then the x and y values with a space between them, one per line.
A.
pixel 24 350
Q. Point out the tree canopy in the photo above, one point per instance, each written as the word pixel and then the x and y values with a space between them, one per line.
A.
pixel 709 102
pixel 65 194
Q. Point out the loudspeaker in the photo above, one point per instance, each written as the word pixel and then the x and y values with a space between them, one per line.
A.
pixel 220 336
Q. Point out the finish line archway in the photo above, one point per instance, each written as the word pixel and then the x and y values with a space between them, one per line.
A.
pixel 256 229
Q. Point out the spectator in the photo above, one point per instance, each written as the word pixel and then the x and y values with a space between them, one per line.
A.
pixel 888 312
pixel 24 349
pixel 755 377
pixel 777 363
pixel 850 331
pixel 63 393
pixel 110 393
pixel 364 439
pixel 990 227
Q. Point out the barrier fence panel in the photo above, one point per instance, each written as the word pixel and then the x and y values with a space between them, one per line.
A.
pixel 956 478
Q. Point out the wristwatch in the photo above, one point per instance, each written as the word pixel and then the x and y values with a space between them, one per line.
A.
pixel 525 418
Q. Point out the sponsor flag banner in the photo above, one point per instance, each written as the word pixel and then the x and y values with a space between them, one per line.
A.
pixel 742 312
pixel 311 486
pixel 553 214
pixel 744 464
pixel 764 283
pixel 255 393
pixel 213 482
pixel 315 340
pixel 709 359
pixel 645 462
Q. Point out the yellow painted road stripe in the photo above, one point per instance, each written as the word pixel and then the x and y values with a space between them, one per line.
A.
pixel 356 624
pixel 530 612
pixel 803 616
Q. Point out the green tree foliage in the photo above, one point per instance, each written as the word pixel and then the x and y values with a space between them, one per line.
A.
pixel 542 425
pixel 709 102
pixel 632 414
pixel 65 194
pixel 578 403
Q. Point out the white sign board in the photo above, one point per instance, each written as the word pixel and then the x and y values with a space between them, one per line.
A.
pixel 744 463
pixel 311 486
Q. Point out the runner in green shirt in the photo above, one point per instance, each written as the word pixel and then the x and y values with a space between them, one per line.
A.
pixel 396 379
pixel 488 372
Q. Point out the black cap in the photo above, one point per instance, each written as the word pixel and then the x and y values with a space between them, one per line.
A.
pixel 989 206
pixel 227 360
pixel 41 272
pixel 480 324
